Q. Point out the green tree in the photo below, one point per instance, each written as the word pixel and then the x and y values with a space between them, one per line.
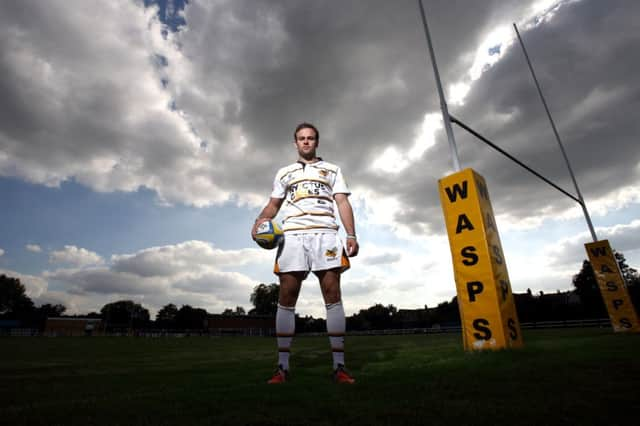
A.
pixel 166 316
pixel 14 302
pixel 237 312
pixel 376 317
pixel 380 316
pixel 265 299
pixel 125 314
pixel 190 318
pixel 167 313
pixel 447 313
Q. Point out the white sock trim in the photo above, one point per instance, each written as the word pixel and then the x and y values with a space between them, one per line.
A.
pixel 287 308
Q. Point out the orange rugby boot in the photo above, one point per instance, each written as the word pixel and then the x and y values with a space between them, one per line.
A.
pixel 340 375
pixel 280 376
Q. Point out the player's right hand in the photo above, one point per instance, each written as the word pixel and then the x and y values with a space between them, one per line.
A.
pixel 352 247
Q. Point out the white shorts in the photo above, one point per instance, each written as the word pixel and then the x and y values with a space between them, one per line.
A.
pixel 311 252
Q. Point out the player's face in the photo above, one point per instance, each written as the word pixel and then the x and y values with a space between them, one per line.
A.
pixel 306 143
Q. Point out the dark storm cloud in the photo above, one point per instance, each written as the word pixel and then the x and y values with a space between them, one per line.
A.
pixel 584 59
pixel 360 71
pixel 241 74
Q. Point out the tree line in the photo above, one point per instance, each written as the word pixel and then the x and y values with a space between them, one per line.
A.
pixel 584 302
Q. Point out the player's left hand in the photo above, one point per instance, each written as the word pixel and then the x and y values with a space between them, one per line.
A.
pixel 352 247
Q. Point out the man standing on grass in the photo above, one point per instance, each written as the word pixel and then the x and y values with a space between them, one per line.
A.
pixel 308 188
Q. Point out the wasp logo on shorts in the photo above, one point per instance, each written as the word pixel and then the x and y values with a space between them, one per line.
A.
pixel 331 253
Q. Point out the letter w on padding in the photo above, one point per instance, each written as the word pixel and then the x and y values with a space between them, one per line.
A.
pixel 453 194
pixel 598 251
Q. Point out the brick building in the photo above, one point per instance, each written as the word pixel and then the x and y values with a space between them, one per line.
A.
pixel 61 326
pixel 241 325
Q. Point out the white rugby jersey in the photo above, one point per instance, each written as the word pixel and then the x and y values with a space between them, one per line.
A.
pixel 308 191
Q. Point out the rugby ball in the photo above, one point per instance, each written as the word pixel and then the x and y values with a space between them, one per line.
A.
pixel 269 235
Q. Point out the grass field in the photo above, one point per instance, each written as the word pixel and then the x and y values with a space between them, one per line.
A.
pixel 570 376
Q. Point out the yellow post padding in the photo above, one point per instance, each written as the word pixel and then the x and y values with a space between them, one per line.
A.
pixel 613 287
pixel 485 299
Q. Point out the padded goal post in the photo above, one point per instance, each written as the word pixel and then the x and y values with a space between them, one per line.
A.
pixel 485 300
pixel 612 287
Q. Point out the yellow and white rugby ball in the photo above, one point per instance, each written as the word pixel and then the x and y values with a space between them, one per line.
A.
pixel 269 235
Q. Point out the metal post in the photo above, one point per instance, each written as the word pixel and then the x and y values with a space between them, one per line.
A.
pixel 555 132
pixel 443 102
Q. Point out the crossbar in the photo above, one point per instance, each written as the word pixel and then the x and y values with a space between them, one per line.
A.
pixel 512 158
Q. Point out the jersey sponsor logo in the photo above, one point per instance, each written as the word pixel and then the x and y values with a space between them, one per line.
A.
pixel 307 189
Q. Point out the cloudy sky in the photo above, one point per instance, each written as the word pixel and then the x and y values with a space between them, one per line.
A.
pixel 139 140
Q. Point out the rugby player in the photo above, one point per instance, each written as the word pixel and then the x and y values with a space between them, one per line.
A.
pixel 306 191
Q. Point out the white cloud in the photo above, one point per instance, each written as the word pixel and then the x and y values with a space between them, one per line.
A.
pixel 73 255
pixel 103 280
pixel 192 272
pixel 35 248
pixel 223 285
pixel 543 11
pixel 457 93
pixel 501 36
pixel 426 138
pixel 382 258
pixel 394 161
pixel 407 273
pixel 189 256
pixel 1 252
pixel 391 161
pixel 622 237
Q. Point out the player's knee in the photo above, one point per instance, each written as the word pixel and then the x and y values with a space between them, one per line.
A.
pixel 331 294
pixel 288 297
pixel 332 298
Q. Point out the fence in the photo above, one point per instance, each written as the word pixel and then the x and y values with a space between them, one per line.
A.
pixel 20 332
pixel 435 329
